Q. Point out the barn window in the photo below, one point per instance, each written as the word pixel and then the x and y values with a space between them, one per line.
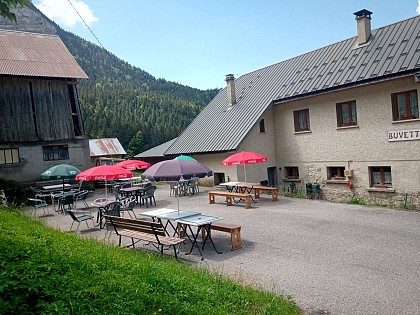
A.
pixel 9 156
pixel 55 152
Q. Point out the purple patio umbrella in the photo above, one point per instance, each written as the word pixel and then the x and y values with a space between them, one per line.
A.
pixel 176 169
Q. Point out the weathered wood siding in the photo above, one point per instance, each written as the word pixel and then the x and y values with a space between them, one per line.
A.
pixel 35 110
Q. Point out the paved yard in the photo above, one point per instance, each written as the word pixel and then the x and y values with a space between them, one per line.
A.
pixel 330 258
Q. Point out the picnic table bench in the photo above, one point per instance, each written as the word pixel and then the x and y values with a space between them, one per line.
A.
pixel 230 196
pixel 142 230
pixel 272 190
pixel 233 229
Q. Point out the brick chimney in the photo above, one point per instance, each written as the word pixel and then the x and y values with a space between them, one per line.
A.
pixel 363 26
pixel 230 85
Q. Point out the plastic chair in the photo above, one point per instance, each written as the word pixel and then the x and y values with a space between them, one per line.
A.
pixel 79 219
pixel 81 196
pixel 174 189
pixel 193 186
pixel 37 204
pixel 67 200
pixel 112 208
pixel 128 206
pixel 149 195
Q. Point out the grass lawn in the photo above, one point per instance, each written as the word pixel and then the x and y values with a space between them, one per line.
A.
pixel 44 271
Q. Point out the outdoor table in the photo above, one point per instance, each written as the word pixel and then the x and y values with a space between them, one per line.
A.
pixel 169 215
pixel 101 203
pixel 56 196
pixel 240 187
pixel 58 187
pixel 133 191
pixel 201 222
pixel 183 187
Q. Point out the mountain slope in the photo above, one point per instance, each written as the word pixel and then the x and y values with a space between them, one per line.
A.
pixel 119 100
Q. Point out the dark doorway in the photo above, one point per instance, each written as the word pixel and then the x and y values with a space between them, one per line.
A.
pixel 219 178
pixel 272 176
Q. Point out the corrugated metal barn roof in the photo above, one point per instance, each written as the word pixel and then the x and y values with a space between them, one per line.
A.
pixel 36 55
pixel 105 147
pixel 392 51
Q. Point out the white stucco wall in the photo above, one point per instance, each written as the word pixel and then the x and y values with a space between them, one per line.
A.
pixel 356 148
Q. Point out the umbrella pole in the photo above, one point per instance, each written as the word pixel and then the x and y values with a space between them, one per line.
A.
pixel 63 185
pixel 245 173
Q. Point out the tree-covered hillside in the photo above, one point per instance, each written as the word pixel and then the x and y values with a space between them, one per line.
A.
pixel 119 100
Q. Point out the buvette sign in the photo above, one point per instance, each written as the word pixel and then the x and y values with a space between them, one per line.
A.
pixel 403 135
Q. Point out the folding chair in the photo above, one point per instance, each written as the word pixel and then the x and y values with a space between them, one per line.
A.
pixel 37 204
pixel 79 219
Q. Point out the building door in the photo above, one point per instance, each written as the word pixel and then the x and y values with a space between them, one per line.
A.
pixel 272 176
pixel 219 178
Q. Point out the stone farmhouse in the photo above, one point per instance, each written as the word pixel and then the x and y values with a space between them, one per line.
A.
pixel 344 116
pixel 41 124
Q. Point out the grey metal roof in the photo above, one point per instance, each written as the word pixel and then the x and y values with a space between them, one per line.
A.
pixel 105 147
pixel 156 151
pixel 393 50
pixel 36 55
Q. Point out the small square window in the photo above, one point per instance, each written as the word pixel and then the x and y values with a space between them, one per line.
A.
pixel 301 118
pixel 291 172
pixel 336 173
pixel 404 105
pixel 9 156
pixel 380 176
pixel 55 152
pixel 346 114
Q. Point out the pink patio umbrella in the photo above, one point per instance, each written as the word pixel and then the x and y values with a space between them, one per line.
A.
pixel 244 158
pixel 104 172
pixel 133 165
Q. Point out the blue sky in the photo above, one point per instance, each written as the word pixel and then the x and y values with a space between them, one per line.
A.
pixel 196 43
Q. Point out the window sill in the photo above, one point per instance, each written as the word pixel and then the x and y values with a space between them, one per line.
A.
pixel 378 189
pixel 347 127
pixel 296 180
pixel 405 120
pixel 305 131
pixel 336 181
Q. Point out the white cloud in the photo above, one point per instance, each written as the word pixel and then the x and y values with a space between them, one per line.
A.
pixel 418 7
pixel 61 12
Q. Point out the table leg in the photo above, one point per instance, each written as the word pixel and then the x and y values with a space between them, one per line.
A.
pixel 207 228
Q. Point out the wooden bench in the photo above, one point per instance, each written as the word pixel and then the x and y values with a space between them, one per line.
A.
pixel 233 229
pixel 142 230
pixel 229 197
pixel 272 190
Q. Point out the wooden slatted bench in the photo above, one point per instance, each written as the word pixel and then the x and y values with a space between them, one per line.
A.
pixel 233 229
pixel 272 190
pixel 230 196
pixel 142 230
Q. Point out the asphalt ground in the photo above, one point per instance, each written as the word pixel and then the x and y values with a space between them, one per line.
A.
pixel 330 258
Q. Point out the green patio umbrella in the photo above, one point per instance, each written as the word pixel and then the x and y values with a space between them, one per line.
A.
pixel 61 171
pixel 185 157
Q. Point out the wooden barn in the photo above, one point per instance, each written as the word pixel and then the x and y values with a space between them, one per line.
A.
pixel 41 123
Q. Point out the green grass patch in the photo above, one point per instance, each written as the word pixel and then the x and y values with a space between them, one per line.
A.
pixel 45 271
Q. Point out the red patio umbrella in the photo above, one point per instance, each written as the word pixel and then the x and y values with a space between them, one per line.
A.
pixel 104 172
pixel 133 165
pixel 244 157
